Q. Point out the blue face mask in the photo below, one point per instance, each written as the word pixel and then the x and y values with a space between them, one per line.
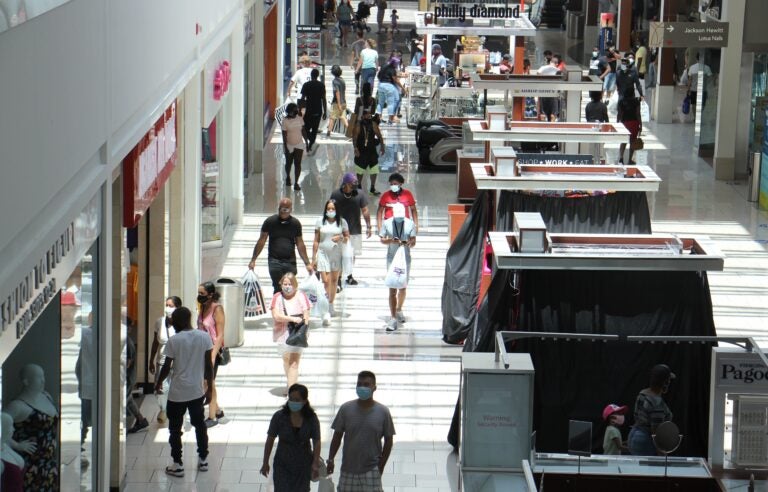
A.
pixel 364 393
pixel 295 406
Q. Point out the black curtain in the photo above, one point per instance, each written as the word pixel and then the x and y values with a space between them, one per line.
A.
pixel 624 212
pixel 575 380
pixel 463 269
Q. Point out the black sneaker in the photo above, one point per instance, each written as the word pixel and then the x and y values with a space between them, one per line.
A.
pixel 296 187
pixel 287 181
pixel 375 192
pixel 351 280
pixel 140 425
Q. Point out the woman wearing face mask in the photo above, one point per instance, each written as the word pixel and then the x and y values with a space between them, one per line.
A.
pixel 650 411
pixel 330 233
pixel 289 305
pixel 211 320
pixel 163 332
pixel 297 429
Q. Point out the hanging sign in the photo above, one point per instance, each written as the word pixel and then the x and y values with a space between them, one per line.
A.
pixel 461 12
pixel 688 35
pixel 147 167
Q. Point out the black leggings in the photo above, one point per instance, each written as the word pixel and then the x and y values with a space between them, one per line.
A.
pixel 312 123
pixel 293 158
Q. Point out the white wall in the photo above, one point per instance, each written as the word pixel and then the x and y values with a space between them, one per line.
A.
pixel 79 85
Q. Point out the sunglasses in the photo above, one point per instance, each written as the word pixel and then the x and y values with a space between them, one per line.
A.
pixel 285 210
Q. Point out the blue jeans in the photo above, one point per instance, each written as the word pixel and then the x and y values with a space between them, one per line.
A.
pixel 640 442
pixel 390 94
pixel 367 75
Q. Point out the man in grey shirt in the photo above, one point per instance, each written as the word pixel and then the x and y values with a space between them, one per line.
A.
pixel 363 423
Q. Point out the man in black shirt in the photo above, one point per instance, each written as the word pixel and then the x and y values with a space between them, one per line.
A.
pixel 626 78
pixel 284 234
pixel 313 99
pixel 350 205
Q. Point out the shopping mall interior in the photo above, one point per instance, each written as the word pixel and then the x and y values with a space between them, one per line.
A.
pixel 126 188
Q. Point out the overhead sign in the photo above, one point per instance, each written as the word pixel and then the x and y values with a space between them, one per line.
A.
pixel 457 11
pixel 688 35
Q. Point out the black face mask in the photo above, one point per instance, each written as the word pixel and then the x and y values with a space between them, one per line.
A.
pixel 352 193
pixel 202 299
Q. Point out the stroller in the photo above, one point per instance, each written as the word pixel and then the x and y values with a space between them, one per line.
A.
pixel 360 21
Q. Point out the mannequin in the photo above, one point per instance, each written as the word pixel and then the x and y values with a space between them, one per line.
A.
pixel 12 462
pixel 36 418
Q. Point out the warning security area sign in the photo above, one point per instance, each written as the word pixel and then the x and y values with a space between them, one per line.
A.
pixel 688 35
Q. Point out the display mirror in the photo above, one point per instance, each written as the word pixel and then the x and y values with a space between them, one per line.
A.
pixel 15 12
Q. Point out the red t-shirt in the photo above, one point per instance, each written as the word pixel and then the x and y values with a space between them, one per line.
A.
pixel 405 197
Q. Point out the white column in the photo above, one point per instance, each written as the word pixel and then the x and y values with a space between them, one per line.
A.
pixel 236 113
pixel 728 92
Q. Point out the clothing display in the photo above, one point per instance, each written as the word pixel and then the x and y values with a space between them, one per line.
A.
pixel 293 458
pixel 41 473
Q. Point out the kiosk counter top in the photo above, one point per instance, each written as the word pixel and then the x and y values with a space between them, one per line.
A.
pixel 567 177
pixel 532 131
pixel 532 85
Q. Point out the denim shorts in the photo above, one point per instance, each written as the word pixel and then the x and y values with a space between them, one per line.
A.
pixel 609 83
pixel 640 442
pixel 390 94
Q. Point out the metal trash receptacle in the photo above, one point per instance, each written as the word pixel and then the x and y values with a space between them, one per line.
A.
pixel 753 185
pixel 232 292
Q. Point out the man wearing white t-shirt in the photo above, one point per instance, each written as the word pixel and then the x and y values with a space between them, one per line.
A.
pixel 302 75
pixel 188 355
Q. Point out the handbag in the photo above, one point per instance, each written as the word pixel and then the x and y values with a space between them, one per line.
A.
pixel 351 124
pixel 297 332
pixel 224 357
pixel 397 274
pixel 686 104
pixel 637 144
pixel 253 299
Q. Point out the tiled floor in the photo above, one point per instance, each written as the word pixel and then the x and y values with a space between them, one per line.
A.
pixel 418 375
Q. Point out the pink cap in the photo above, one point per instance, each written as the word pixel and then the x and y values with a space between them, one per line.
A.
pixel 613 408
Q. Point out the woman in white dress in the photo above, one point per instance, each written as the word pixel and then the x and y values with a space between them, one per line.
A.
pixel 331 232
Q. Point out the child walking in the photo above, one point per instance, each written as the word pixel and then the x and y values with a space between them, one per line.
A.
pixel 393 18
pixel 613 415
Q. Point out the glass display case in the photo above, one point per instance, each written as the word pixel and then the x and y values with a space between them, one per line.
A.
pixel 421 98
pixel 465 102
pixel 211 227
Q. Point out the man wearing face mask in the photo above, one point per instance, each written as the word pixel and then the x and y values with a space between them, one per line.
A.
pixel 627 77
pixel 363 423
pixel 350 205
pixel 650 411
pixel 397 194
pixel 285 237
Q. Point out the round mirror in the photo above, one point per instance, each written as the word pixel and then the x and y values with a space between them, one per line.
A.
pixel 667 437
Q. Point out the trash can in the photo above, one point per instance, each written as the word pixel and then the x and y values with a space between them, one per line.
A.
pixel 753 186
pixel 231 291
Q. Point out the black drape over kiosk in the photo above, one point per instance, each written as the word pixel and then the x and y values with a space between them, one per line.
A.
pixel 463 269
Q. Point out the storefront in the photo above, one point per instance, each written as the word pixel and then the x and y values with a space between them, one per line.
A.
pixel 49 348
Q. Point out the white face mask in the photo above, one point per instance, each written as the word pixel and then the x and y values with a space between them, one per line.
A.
pixel 287 289
pixel 394 188
pixel 594 54
pixel 331 214
pixel 169 311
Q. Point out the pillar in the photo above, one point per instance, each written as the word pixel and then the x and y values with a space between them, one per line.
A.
pixel 236 112
pixel 664 103
pixel 728 92
pixel 116 417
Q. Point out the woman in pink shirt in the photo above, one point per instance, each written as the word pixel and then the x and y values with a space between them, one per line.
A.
pixel 211 320
pixel 289 305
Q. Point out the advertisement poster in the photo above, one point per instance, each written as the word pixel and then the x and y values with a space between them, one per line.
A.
pixel 763 200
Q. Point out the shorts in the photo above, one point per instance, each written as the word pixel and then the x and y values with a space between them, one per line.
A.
pixel 338 114
pixel 634 129
pixel 363 482
pixel 345 23
pixel 370 170
pixel 609 83
pixel 549 106
pixel 291 148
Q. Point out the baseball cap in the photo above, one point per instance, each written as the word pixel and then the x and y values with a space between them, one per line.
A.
pixel 69 299
pixel 348 178
pixel 662 371
pixel 612 408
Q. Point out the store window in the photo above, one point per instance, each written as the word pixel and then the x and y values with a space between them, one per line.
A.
pixel 50 391
pixel 215 218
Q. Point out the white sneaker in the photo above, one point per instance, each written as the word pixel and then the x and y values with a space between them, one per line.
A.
pixel 392 324
pixel 327 319
pixel 175 470
pixel 331 311
pixel 202 465
pixel 400 317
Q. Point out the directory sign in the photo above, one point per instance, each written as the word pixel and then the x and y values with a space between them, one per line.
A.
pixel 688 35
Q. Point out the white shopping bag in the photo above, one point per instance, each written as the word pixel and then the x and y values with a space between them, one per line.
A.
pixel 613 102
pixel 347 258
pixel 280 110
pixel 315 292
pixel 253 299
pixel 645 112
pixel 397 275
